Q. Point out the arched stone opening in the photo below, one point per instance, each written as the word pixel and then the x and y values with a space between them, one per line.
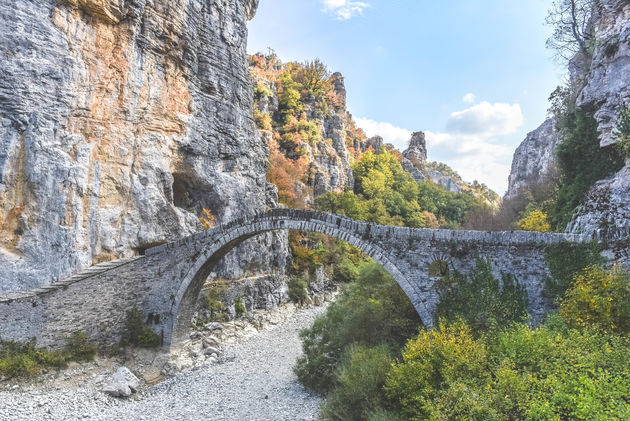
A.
pixel 183 303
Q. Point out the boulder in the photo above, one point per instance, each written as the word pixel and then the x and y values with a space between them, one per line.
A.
pixel 122 384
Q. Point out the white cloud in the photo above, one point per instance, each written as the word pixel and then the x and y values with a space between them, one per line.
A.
pixel 470 98
pixel 486 119
pixel 474 157
pixel 344 9
pixel 397 136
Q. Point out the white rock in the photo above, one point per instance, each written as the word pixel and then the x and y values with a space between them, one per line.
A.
pixel 122 384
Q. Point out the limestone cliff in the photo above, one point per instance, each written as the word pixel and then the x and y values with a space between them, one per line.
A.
pixel 607 90
pixel 534 159
pixel 120 121
pixel 607 76
pixel 312 137
pixel 602 77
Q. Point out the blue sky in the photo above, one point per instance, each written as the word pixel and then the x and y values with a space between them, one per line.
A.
pixel 473 74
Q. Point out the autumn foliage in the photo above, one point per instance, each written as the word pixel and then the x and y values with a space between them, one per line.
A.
pixel 207 219
pixel 287 174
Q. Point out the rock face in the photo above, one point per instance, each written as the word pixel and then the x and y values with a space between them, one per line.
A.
pixel 329 160
pixel 120 121
pixel 417 150
pixel 607 90
pixel 534 159
pixel 604 78
pixel 414 161
pixel 607 87
pixel 606 210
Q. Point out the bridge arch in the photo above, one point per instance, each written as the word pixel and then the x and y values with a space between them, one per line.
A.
pixel 210 253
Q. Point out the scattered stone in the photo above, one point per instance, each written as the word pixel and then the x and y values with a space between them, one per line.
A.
pixel 122 384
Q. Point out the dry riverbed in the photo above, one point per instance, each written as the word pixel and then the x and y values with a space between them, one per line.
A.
pixel 252 379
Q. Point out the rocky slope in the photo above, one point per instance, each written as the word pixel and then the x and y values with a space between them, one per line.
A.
pixel 414 161
pixel 121 120
pixel 534 159
pixel 315 132
pixel 603 78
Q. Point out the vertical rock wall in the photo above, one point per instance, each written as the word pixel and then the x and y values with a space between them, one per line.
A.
pixel 604 78
pixel 120 121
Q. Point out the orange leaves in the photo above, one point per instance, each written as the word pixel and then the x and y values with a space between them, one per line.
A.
pixel 286 174
pixel 207 219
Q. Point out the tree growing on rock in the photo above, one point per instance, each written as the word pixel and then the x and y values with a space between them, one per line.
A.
pixel 572 30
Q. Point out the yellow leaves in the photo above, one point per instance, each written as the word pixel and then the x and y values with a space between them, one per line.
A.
pixel 600 299
pixel 535 220
pixel 207 219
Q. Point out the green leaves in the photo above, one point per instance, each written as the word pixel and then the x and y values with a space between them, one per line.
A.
pixel 581 162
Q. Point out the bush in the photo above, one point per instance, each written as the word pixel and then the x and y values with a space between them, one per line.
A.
pixel 552 372
pixel 346 271
pixel 137 332
pixel 479 299
pixel 372 311
pixel 359 382
pixel 215 301
pixel 297 289
pixel 239 307
pixel 581 162
pixel 623 133
pixel 599 299
pixel 438 366
pixel 535 220
pixel 26 360
pixel 79 348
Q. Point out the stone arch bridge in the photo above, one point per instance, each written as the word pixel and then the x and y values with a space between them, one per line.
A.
pixel 165 282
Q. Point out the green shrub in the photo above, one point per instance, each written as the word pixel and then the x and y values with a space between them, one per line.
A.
pixel 565 260
pixel 372 311
pixel 215 301
pixel 26 360
pixel 552 372
pixel 137 332
pixel 433 363
pixel 623 133
pixel 346 271
pixel 262 90
pixel 359 382
pixel 297 289
pixel 480 300
pixel 79 348
pixel 239 307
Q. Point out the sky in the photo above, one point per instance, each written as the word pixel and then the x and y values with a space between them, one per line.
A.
pixel 474 75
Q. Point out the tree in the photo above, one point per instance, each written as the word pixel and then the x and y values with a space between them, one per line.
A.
pixel 314 77
pixel 573 31
pixel 535 220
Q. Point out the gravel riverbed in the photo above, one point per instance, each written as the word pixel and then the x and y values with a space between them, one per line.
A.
pixel 252 380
